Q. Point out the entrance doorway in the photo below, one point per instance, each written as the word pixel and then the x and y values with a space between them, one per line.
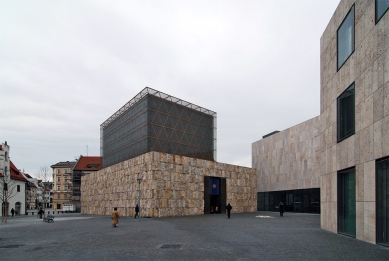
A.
pixel 215 195
pixel 17 208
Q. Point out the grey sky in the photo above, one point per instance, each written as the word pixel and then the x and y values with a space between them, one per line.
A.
pixel 66 66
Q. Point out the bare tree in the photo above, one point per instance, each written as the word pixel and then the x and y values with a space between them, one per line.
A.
pixel 7 191
pixel 44 175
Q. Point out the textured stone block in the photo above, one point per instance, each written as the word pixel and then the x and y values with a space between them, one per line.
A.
pixel 369 222
pixel 360 184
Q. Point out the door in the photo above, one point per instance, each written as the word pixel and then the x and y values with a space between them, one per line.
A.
pixel 207 198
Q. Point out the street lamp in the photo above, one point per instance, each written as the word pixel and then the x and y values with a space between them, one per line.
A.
pixel 139 180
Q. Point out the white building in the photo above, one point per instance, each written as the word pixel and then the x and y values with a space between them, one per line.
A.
pixel 13 184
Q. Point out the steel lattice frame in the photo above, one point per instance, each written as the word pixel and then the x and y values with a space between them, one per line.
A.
pixel 148 90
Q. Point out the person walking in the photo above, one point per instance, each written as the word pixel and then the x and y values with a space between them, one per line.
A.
pixel 12 212
pixel 40 212
pixel 281 206
pixel 228 209
pixel 115 217
pixel 136 211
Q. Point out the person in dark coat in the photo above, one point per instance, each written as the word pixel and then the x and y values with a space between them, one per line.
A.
pixel 136 211
pixel 228 207
pixel 281 206
pixel 12 212
pixel 40 213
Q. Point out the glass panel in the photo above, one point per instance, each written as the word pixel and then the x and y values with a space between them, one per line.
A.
pixel 346 202
pixel 382 179
pixel 346 113
pixel 381 7
pixel 346 38
pixel 260 201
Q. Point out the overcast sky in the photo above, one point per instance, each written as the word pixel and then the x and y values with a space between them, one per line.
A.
pixel 67 66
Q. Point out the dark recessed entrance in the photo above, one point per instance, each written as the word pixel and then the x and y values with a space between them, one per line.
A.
pixel 215 195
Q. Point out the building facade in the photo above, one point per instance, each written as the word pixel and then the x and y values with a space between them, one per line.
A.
pixel 155 121
pixel 351 139
pixel 168 185
pixel 62 184
pixel 12 184
pixel 286 164
pixel 355 121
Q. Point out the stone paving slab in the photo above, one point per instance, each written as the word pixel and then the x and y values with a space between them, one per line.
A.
pixel 247 236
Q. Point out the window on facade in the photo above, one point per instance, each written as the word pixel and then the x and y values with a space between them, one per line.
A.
pixel 382 203
pixel 18 188
pixel 66 188
pixel 6 156
pixel 58 171
pixel 346 202
pixel 346 38
pixel 346 113
pixel 66 170
pixel 58 188
pixel 66 196
pixel 59 179
pixel 59 196
pixel 381 7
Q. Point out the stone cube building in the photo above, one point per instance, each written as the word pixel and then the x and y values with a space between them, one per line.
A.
pixel 160 151
pixel 170 185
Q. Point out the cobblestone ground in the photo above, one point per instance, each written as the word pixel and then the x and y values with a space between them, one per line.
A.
pixel 211 237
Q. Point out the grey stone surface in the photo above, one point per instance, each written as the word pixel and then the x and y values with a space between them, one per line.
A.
pixel 211 237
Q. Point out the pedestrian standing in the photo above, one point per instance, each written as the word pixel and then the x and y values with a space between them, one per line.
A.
pixel 228 209
pixel 136 211
pixel 281 206
pixel 40 212
pixel 115 217
pixel 12 212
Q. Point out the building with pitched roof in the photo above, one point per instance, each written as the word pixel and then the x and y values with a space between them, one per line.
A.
pixel 13 184
pixel 85 165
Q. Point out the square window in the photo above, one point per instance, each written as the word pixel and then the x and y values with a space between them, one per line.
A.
pixel 381 6
pixel 346 38
pixel 346 113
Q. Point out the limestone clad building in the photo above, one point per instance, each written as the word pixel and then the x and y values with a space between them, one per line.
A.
pixel 161 151
pixel 345 150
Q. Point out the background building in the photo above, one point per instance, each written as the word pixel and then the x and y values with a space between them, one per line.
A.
pixel 155 121
pixel 348 144
pixel 62 183
pixel 287 168
pixel 85 165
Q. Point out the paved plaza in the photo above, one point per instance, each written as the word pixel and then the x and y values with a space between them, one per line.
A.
pixel 248 236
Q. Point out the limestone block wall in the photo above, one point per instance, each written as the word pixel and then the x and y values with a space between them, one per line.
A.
pixel 170 185
pixel 368 68
pixel 288 160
